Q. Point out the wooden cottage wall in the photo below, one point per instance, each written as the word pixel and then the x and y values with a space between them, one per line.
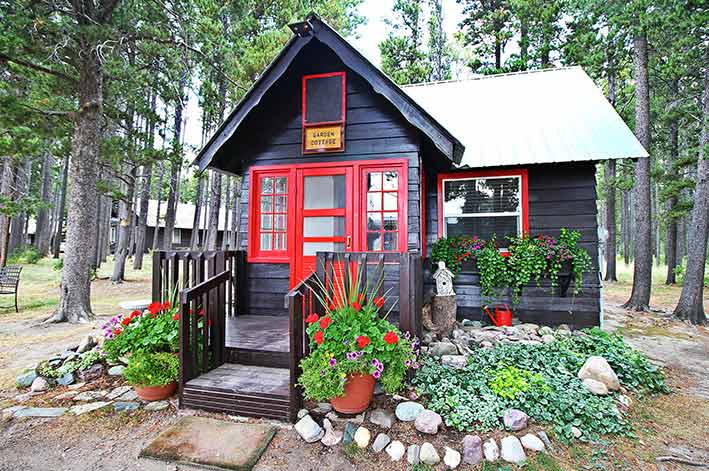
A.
pixel 560 195
pixel 374 131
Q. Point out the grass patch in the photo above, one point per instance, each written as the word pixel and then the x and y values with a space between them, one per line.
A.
pixel 352 451
pixel 543 462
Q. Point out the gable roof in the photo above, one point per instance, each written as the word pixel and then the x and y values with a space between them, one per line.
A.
pixel 544 116
pixel 315 28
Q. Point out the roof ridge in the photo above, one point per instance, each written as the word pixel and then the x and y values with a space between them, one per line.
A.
pixel 492 76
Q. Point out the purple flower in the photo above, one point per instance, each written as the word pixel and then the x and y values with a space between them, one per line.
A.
pixel 408 363
pixel 322 372
pixel 333 362
pixel 377 374
pixel 375 362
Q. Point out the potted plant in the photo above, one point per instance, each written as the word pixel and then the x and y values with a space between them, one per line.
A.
pixel 352 347
pixel 154 375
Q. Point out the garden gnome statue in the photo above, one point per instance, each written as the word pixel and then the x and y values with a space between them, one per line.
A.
pixel 443 307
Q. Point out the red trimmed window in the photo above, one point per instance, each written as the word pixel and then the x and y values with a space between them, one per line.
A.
pixel 483 204
pixel 270 236
pixel 384 210
pixel 324 111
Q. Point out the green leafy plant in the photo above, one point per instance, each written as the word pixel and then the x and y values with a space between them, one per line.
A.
pixel 87 359
pixel 353 338
pixel 24 255
pixel 155 330
pixel 152 369
pixel 455 250
pixel 540 380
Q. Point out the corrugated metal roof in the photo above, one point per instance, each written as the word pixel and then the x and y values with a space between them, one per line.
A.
pixel 552 115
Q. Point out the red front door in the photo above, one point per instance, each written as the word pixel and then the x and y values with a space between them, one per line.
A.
pixel 324 216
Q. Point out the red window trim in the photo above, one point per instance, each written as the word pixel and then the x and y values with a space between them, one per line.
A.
pixel 402 206
pixel 343 74
pixel 254 256
pixel 522 173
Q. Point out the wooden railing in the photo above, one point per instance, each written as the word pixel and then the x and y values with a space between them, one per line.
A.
pixel 202 326
pixel 174 271
pixel 402 276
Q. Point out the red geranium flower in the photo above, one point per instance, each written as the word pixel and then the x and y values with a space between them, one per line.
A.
pixel 391 337
pixel 126 321
pixel 363 341
pixel 319 337
pixel 200 312
pixel 379 302
pixel 135 314
pixel 176 316
pixel 324 322
pixel 312 318
pixel 117 331
pixel 155 307
pixel 166 305
pixel 357 306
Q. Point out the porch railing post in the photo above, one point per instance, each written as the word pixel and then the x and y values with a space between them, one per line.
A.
pixel 158 257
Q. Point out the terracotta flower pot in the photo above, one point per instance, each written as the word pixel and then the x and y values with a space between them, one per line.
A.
pixel 156 393
pixel 359 390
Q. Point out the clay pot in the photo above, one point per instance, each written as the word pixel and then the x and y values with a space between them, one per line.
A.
pixel 359 390
pixel 156 393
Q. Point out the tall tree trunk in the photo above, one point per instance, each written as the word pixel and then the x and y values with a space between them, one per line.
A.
pixel 175 165
pixel 524 44
pixel 18 223
pixel 498 55
pixel 642 272
pixel 61 209
pixel 215 200
pixel 6 182
pixel 671 234
pixel 125 215
pixel 197 223
pixel 610 191
pixel 156 230
pixel 96 262
pixel 142 227
pixel 625 223
pixel 75 302
pixel 691 301
pixel 43 228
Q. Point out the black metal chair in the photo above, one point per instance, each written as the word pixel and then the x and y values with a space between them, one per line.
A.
pixel 10 281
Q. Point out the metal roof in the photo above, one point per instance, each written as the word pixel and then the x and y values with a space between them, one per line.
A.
pixel 551 115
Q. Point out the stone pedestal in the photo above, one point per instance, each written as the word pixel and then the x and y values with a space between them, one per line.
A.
pixel 443 311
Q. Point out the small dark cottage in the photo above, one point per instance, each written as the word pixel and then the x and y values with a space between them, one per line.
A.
pixel 336 158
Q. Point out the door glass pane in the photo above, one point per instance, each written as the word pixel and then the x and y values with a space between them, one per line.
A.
pixel 324 192
pixel 311 248
pixel 266 222
pixel 280 204
pixel 374 201
pixel 374 241
pixel 279 222
pixel 266 185
pixel 266 238
pixel 390 221
pixel 279 241
pixel 324 226
pixel 390 200
pixel 374 181
pixel 374 221
pixel 281 185
pixel 390 239
pixel 391 180
pixel 266 204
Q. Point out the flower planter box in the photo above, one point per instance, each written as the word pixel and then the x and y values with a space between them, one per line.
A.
pixel 470 266
pixel 156 393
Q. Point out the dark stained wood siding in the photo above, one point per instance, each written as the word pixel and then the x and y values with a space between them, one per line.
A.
pixel 272 135
pixel 560 195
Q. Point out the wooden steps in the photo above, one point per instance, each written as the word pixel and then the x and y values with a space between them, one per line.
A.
pixel 237 389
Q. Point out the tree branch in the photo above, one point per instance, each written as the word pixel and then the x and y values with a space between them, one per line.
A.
pixel 5 58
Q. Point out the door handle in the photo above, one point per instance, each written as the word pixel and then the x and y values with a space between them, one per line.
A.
pixel 348 242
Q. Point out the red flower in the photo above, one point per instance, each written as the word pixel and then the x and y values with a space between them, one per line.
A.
pixel 166 305
pixel 363 341
pixel 200 312
pixel 176 316
pixel 357 306
pixel 391 337
pixel 324 322
pixel 379 302
pixel 312 318
pixel 319 337
pixel 135 314
pixel 117 331
pixel 126 321
pixel 155 307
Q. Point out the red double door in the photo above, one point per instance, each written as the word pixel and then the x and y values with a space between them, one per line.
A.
pixel 348 208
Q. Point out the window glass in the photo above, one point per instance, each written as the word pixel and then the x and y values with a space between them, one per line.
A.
pixel 311 248
pixel 324 192
pixel 273 217
pixel 324 226
pixel 382 211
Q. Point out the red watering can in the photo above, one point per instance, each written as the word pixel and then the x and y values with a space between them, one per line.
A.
pixel 502 317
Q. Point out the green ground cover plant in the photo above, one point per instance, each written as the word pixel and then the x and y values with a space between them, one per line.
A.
pixel 152 369
pixel 541 380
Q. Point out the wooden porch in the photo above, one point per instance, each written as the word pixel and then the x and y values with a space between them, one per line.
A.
pixel 248 364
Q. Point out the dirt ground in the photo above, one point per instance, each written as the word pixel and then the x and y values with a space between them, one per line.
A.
pixel 675 424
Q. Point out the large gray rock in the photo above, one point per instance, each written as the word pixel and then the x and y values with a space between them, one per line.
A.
pixel 25 379
pixel 429 455
pixel 156 405
pixel 116 370
pixel 90 407
pixel 395 450
pixel 511 450
pixel 39 385
pixel 66 379
pixel 412 454
pixel 545 439
pixel 595 387
pixel 382 417
pixel 331 436
pixel 322 408
pixel 597 368
pixel 428 422
pixel 93 372
pixel 350 429
pixel 86 344
pixel 472 449
pixel 87 396
pixel 118 392
pixel 491 451
pixel 362 437
pixel 532 442
pixel 125 406
pixel 515 420
pixel 380 442
pixel 455 361
pixel 309 430
pixel 408 411
pixel 41 412
pixel 438 349
pixel 451 458
pixel 545 330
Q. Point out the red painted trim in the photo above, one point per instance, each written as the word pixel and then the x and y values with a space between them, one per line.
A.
pixel 341 121
pixel 522 173
pixel 402 203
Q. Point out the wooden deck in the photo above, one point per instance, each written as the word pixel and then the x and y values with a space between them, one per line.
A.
pixel 263 333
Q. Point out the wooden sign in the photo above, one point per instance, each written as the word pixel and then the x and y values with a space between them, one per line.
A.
pixel 323 138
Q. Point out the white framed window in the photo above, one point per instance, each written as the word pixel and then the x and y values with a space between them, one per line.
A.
pixel 483 204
